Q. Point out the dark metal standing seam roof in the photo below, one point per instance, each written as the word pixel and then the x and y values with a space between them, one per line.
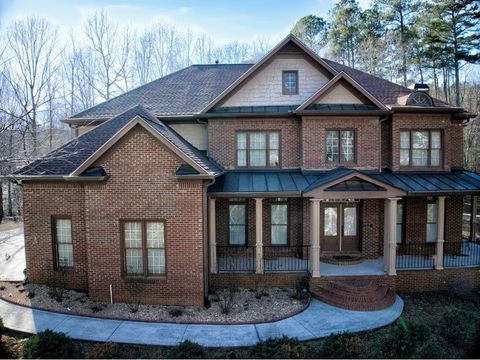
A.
pixel 67 158
pixel 296 181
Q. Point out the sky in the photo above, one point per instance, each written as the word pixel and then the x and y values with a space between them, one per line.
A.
pixel 224 21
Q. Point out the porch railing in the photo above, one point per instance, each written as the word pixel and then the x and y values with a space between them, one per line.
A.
pixel 415 256
pixel 236 258
pixel 461 254
pixel 286 258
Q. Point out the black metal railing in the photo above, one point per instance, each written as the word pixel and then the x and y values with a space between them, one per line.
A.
pixel 286 258
pixel 461 254
pixel 235 258
pixel 415 256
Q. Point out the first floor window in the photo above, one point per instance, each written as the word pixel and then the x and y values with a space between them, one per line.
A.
pixel 399 222
pixel 432 210
pixel 237 220
pixel 279 223
pixel 63 242
pixel 144 244
pixel 340 145
pixel 421 148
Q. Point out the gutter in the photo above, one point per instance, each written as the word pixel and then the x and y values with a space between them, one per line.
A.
pixel 56 178
pixel 244 115
pixel 346 113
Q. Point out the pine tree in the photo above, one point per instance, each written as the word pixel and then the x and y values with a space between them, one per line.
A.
pixel 312 30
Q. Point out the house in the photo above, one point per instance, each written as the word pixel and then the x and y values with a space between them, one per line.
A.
pixel 234 174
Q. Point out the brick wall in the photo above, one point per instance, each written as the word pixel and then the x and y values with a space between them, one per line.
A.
pixel 371 225
pixel 248 280
pixel 142 185
pixel 222 141
pixel 452 133
pixel 434 280
pixel 41 201
pixel 367 138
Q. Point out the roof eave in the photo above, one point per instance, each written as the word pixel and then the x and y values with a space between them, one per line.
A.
pixel 425 109
pixel 346 112
pixel 57 178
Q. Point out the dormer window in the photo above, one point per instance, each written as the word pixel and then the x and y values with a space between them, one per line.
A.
pixel 290 82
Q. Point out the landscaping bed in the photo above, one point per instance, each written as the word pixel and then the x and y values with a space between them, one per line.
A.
pixel 245 305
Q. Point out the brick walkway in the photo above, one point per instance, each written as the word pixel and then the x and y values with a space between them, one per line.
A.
pixel 318 320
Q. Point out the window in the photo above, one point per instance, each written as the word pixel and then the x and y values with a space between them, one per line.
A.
pixel 237 223
pixel 279 221
pixel 340 145
pixel 258 149
pixel 432 222
pixel 144 246
pixel 399 222
pixel 421 148
pixel 63 242
pixel 290 83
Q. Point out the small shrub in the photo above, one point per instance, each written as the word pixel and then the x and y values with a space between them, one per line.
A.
pixel 135 291
pixel 339 346
pixel 2 348
pixel 226 298
pixel 259 285
pixel 175 312
pixel 283 348
pixel 105 351
pixel 302 288
pixel 96 308
pixel 187 350
pixel 48 345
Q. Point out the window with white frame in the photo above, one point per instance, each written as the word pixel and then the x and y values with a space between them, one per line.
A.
pixel 399 224
pixel 432 211
pixel 340 146
pixel 144 247
pixel 421 148
pixel 279 221
pixel 290 82
pixel 237 222
pixel 63 242
pixel 258 149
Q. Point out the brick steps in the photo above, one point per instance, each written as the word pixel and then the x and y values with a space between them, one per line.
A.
pixel 355 295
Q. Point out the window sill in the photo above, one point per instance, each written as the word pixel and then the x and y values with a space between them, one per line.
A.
pixel 422 168
pixel 145 279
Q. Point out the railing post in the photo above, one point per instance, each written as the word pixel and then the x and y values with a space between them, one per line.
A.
pixel 315 236
pixel 440 233
pixel 212 236
pixel 259 235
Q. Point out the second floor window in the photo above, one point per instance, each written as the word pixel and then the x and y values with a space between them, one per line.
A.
pixel 340 145
pixel 421 148
pixel 258 149
pixel 290 83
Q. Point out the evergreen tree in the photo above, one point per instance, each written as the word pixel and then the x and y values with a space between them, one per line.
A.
pixel 312 30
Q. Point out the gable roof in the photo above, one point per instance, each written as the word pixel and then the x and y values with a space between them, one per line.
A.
pixel 75 156
pixel 184 92
pixel 341 76
pixel 289 39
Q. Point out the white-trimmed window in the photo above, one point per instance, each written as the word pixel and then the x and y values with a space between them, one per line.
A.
pixel 432 216
pixel 63 242
pixel 237 222
pixel 144 248
pixel 279 222
pixel 399 224
pixel 258 149
pixel 290 82
pixel 421 148
pixel 340 146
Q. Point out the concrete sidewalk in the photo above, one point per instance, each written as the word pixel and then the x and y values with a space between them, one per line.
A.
pixel 318 320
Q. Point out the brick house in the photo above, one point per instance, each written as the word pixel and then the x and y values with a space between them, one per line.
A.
pixel 226 173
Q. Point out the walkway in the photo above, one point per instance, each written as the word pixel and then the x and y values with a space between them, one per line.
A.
pixel 318 320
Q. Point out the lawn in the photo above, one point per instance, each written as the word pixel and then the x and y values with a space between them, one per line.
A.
pixel 434 325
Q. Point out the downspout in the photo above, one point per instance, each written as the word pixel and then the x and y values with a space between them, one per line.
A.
pixel 381 120
pixel 206 258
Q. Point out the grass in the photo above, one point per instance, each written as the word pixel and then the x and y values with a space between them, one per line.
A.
pixel 433 325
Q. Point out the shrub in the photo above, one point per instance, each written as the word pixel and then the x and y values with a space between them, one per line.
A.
pixel 283 348
pixel 302 288
pixel 135 290
pixel 48 345
pixel 186 350
pixel 336 346
pixel 105 351
pixel 459 328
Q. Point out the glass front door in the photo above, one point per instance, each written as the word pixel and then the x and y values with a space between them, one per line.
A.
pixel 339 228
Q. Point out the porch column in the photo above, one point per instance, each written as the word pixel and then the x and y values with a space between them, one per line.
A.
pixel 315 237
pixel 258 236
pixel 212 235
pixel 390 234
pixel 440 232
pixel 473 217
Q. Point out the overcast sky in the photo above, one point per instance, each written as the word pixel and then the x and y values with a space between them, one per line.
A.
pixel 227 20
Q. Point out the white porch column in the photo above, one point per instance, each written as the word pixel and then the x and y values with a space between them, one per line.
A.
pixel 258 235
pixel 315 237
pixel 212 235
pixel 390 234
pixel 473 219
pixel 440 232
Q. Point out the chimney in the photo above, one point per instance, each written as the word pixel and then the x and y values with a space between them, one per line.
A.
pixel 422 87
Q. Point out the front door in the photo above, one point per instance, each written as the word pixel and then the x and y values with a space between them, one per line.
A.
pixel 340 227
